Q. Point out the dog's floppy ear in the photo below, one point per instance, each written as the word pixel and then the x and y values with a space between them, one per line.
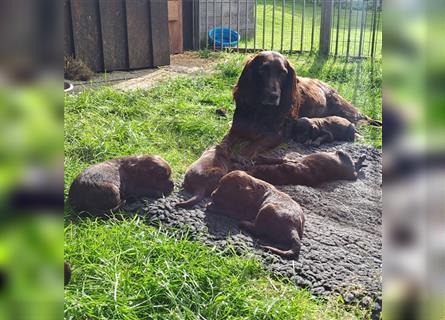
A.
pixel 243 90
pixel 290 97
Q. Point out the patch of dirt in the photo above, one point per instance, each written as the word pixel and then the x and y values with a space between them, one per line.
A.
pixel 342 245
pixel 184 63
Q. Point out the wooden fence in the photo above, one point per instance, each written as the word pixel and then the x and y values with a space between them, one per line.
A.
pixel 117 34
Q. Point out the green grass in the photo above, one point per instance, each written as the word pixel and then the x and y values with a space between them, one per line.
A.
pixel 127 270
pixel 160 277
pixel 273 32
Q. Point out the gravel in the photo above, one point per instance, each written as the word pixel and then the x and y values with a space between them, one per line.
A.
pixel 342 245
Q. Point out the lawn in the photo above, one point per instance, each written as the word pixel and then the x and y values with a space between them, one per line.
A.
pixel 270 36
pixel 125 269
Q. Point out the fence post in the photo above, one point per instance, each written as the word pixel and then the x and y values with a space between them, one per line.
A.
pixel 325 27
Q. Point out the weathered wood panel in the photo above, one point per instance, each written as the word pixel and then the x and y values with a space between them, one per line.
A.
pixel 68 47
pixel 175 26
pixel 159 32
pixel 139 34
pixel 87 33
pixel 114 34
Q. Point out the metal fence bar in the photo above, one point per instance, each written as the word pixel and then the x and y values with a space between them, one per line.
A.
pixel 264 24
pixel 222 22
pixel 283 7
pixel 292 28
pixel 338 27
pixel 355 33
pixel 360 47
pixel 313 24
pixel 230 21
pixel 374 29
pixel 246 25
pixel 302 25
pixel 255 22
pixel 370 33
pixel 377 28
pixel 273 23
pixel 349 30
pixel 207 23
pixel 237 24
pixel 214 24
pixel 345 4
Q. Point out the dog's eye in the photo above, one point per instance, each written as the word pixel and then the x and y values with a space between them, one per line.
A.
pixel 283 73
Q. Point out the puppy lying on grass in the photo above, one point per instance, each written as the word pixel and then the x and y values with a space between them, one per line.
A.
pixel 106 186
pixel 202 176
pixel 310 170
pixel 316 131
pixel 262 210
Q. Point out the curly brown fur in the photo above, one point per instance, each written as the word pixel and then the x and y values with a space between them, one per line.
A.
pixel 107 185
pixel 262 210
pixel 316 131
pixel 75 69
pixel 311 170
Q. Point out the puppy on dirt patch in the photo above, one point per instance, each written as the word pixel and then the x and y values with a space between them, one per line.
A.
pixel 316 131
pixel 203 175
pixel 262 210
pixel 311 170
pixel 106 186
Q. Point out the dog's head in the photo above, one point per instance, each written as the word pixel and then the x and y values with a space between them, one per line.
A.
pixel 268 81
pixel 147 170
pixel 304 130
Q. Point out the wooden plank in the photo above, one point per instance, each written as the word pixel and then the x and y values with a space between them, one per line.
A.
pixel 173 10
pixel 87 33
pixel 325 27
pixel 68 48
pixel 159 32
pixel 175 26
pixel 140 53
pixel 114 34
pixel 187 24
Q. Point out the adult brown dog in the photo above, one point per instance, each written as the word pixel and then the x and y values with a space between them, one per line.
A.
pixel 106 186
pixel 269 93
pixel 265 96
pixel 311 170
pixel 319 100
pixel 316 131
pixel 262 210
pixel 203 175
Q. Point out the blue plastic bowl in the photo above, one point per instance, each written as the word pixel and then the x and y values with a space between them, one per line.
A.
pixel 216 34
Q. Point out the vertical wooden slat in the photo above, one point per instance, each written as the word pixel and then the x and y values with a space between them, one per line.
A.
pixel 114 35
pixel 140 53
pixel 159 32
pixel 86 33
pixel 187 24
pixel 68 49
pixel 325 27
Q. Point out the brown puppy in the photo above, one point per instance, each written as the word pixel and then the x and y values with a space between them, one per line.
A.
pixel 311 170
pixel 316 131
pixel 106 186
pixel 262 210
pixel 203 175
pixel 319 100
pixel 66 273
